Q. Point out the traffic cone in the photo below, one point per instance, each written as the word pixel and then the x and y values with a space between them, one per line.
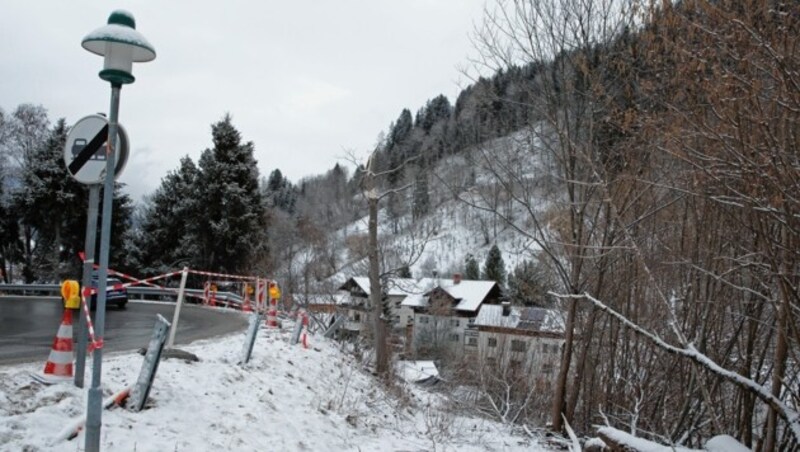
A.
pixel 246 303
pixel 59 363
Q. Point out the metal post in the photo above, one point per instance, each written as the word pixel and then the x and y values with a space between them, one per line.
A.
pixel 94 409
pixel 89 252
pixel 178 304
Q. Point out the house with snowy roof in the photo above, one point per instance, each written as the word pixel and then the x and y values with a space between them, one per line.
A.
pixel 357 293
pixel 528 339
pixel 444 314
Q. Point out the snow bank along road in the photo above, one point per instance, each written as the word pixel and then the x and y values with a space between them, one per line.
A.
pixel 287 398
pixel 28 326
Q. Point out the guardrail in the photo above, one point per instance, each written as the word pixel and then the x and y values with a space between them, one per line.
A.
pixel 167 294
pixel 30 289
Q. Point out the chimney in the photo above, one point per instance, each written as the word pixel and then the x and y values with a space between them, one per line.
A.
pixel 506 308
pixel 456 278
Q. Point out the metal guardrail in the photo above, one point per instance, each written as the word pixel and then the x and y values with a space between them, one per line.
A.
pixel 30 289
pixel 136 291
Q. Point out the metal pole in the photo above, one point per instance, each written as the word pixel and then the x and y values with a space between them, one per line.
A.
pixel 94 408
pixel 88 249
pixel 181 291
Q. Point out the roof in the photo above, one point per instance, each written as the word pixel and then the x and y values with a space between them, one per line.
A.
pixel 394 287
pixel 470 294
pixel 526 319
pixel 415 371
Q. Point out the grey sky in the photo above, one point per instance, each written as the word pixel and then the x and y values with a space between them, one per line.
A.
pixel 304 80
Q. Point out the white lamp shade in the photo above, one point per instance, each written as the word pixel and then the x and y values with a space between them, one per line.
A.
pixel 124 36
pixel 121 45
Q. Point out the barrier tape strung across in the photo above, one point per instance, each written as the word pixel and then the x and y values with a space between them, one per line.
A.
pixel 148 281
pixel 93 290
pixel 95 342
pixel 223 275
pixel 149 284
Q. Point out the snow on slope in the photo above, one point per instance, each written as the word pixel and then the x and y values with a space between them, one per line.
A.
pixel 287 398
pixel 453 229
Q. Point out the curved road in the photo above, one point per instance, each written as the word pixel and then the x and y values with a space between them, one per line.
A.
pixel 28 326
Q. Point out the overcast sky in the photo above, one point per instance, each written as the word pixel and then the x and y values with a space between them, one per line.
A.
pixel 306 81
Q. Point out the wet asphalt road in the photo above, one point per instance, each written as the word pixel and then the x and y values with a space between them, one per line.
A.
pixel 28 326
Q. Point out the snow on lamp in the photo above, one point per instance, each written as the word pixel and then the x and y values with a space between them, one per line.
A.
pixel 121 45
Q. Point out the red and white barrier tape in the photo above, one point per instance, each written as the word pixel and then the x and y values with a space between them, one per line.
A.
pixel 223 275
pixel 150 284
pixel 93 290
pixel 95 342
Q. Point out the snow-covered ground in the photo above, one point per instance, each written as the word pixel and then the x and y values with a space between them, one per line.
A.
pixel 287 398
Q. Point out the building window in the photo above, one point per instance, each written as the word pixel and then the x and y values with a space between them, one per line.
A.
pixel 356 317
pixel 472 341
pixel 455 337
pixel 423 319
pixel 549 348
pixel 547 368
pixel 518 345
pixel 492 342
pixel 455 323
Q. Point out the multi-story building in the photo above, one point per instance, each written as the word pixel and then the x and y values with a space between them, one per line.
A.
pixel 528 339
pixel 444 314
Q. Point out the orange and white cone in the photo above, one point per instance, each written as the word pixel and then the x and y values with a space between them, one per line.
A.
pixel 59 363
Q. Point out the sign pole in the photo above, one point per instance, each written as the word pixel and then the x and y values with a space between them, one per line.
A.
pixel 95 402
pixel 88 262
pixel 181 292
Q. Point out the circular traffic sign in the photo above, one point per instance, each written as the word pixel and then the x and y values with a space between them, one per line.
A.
pixel 85 150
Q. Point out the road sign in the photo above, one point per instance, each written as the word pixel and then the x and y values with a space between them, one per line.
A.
pixel 85 150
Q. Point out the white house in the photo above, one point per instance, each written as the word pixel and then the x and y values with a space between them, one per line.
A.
pixel 526 338
pixel 445 313
pixel 397 290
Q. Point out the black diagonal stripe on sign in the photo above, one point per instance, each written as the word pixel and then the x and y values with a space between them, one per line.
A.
pixel 89 150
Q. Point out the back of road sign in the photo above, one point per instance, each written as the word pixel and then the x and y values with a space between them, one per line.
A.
pixel 85 151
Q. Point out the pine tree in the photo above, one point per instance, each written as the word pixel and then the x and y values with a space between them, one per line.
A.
pixel 471 270
pixel 10 244
pixel 494 269
pixel 422 201
pixel 231 231
pixel 528 284
pixel 280 193
pixel 168 234
pixel 404 272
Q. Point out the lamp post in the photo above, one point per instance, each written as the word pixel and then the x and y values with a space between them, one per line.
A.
pixel 120 45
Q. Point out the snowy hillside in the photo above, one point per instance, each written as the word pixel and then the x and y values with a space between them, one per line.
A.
pixel 464 195
pixel 287 398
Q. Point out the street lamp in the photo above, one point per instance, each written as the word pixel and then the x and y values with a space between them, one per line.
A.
pixel 120 45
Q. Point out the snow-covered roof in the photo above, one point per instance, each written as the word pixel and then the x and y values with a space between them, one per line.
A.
pixel 414 371
pixel 469 293
pixel 528 319
pixel 395 286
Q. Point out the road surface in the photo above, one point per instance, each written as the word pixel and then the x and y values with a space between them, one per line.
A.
pixel 28 326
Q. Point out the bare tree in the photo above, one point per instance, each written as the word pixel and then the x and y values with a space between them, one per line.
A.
pixel 572 229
